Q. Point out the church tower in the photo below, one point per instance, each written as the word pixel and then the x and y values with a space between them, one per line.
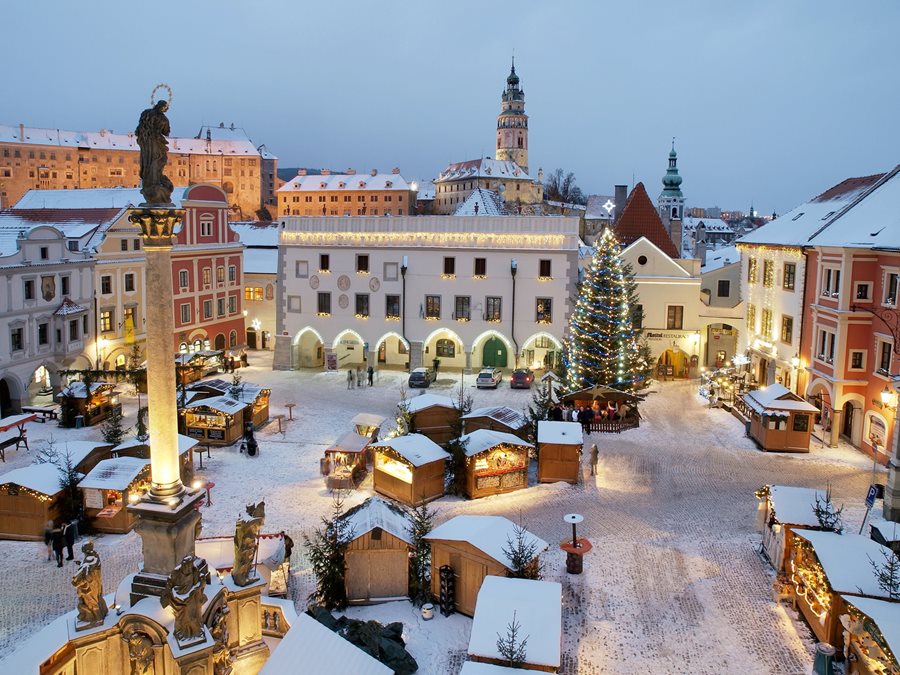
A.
pixel 512 123
pixel 671 201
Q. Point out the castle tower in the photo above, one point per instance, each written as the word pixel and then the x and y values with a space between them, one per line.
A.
pixel 671 200
pixel 512 123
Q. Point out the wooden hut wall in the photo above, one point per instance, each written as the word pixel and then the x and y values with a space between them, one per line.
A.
pixel 122 522
pixel 480 485
pixel 377 568
pixel 24 516
pixel 427 483
pixel 559 462
pixel 258 413
pixel 783 438
pixel 435 423
pixel 470 567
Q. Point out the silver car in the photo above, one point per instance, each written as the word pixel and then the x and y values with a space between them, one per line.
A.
pixel 489 378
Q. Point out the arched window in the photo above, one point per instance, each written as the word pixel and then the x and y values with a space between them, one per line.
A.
pixel 674 211
pixel 183 348
pixel 198 345
pixel 232 339
pixel 120 362
pixel 521 142
pixel 446 348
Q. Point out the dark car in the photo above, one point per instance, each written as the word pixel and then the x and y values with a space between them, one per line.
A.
pixel 521 378
pixel 422 377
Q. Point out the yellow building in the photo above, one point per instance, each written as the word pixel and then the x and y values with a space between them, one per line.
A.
pixel 347 194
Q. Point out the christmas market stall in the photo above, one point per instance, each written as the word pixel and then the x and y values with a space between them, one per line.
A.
pixel 344 463
pixel 78 407
pixel 614 410
pixel 29 497
pixel 782 509
pixel 779 420
pixel 215 421
pixel 378 555
pixel 270 560
pixel 254 397
pixel 367 424
pixel 496 462
pixel 470 548
pixel 109 487
pixel 872 636
pixel 193 366
pixel 497 418
pixel 433 416
pixel 825 566
pixel 537 606
pixel 559 451
pixel 135 447
pixel 410 468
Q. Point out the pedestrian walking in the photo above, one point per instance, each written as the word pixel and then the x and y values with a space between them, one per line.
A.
pixel 371 373
pixel 349 378
pixel 70 531
pixel 58 543
pixel 288 546
pixel 48 538
pixel 595 455
pixel 359 377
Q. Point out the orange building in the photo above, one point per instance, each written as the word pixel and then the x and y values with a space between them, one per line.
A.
pixel 347 194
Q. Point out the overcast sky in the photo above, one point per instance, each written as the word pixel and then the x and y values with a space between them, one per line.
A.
pixel 769 101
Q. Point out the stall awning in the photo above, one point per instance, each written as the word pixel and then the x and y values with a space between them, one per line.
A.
pixel 845 558
pixel 350 442
pixel 485 439
pixel 415 449
pixel 562 433
pixel 503 414
pixel 114 474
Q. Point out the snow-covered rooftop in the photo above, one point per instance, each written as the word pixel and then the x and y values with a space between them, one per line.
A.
pixel 794 505
pixel 376 512
pixel 501 413
pixel 717 258
pixel 482 168
pixel 349 442
pixel 489 534
pixel 91 198
pixel 478 668
pixel 114 474
pixel 483 439
pixel 600 207
pixel 224 404
pixel 185 443
pixel 845 558
pixel 886 616
pixel 481 202
pixel 367 420
pixel 538 609
pixel 254 233
pixel 778 397
pixel 415 448
pixel 43 478
pixel 67 308
pixel 423 401
pixel 346 182
pixel 425 190
pixel 565 433
pixel 320 651
pixel 709 224
pixel 78 450
pixel 77 389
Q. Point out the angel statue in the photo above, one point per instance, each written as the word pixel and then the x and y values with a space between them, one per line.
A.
pixel 151 132
pixel 140 653
pixel 184 594
pixel 246 543
pixel 88 584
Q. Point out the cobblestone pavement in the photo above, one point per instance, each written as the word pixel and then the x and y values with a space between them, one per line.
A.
pixel 674 583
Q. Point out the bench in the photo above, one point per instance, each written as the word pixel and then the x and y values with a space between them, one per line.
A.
pixel 46 412
pixel 12 437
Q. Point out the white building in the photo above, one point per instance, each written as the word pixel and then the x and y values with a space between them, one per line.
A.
pixel 721 311
pixel 470 291
pixel 260 280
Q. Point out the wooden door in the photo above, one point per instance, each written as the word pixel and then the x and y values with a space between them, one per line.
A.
pixel 357 575
pixel 468 580
pixel 377 574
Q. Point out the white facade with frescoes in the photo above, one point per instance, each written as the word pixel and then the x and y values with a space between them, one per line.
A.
pixel 469 291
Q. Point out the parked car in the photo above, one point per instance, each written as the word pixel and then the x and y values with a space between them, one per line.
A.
pixel 422 377
pixel 521 378
pixel 488 378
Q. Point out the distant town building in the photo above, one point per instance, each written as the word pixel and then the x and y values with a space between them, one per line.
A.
pixel 260 242
pixel 347 194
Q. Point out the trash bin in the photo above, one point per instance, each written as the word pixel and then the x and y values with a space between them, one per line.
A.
pixel 824 663
pixel 747 427
pixel 79 421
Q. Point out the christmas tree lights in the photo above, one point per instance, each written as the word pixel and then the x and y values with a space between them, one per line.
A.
pixel 603 347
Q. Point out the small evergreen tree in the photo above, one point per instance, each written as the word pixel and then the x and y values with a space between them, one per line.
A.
pixel 522 552
pixel 236 389
pixel 511 647
pixel 327 551
pixel 538 410
pixel 113 429
pixel 828 516
pixel 67 412
pixel 420 563
pixel 402 420
pixel 887 573
pixel 456 467
pixel 70 503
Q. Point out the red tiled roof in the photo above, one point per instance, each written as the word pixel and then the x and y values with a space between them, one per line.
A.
pixel 842 189
pixel 640 219
pixel 63 215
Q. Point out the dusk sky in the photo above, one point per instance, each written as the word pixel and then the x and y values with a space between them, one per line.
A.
pixel 770 102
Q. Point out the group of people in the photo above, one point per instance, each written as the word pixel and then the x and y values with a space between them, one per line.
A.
pixel 360 378
pixel 585 415
pixel 58 537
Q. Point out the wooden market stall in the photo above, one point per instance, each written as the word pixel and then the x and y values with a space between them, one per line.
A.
pixel 780 420
pixel 91 408
pixel 193 366
pixel 472 547
pixel 433 416
pixel 614 410
pixel 107 490
pixel 270 562
pixel 559 451
pixel 29 497
pixel 496 462
pixel 824 568
pixel 344 463
pixel 254 398
pixel 781 510
pixel 367 424
pixel 872 636
pixel 134 447
pixel 410 468
pixel 538 609
pixel 218 420
pixel 497 418
pixel 378 555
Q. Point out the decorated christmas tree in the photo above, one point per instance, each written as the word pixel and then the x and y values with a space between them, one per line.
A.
pixel 603 346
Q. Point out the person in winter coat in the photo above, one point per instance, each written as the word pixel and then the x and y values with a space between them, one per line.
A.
pixel 48 538
pixel 58 542
pixel 359 377
pixel 595 455
pixel 70 530
pixel 349 378
pixel 371 373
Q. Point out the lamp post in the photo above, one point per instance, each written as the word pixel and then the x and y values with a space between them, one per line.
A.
pixel 513 268
pixel 403 267
pixel 891 507
pixel 795 366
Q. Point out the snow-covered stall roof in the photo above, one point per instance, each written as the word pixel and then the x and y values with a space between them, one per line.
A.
pixel 114 474
pixel 78 390
pixel 886 616
pixel 484 439
pixel 845 558
pixel 43 478
pixel 321 651
pixel 794 505
pixel 423 401
pixel 489 534
pixel 564 433
pixel 478 668
pixel 185 443
pixel 778 397
pixel 376 512
pixel 415 449
pixel 367 420
pixel 350 442
pixel 223 404
pixel 501 413
pixel 538 608
pixel 78 451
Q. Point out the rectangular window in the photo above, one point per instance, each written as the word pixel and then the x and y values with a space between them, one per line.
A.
pixel 105 321
pixel 129 283
pixel 220 275
pixel 182 279
pixel 768 273
pixel 391 271
pixel 766 328
pixel 73 330
pixel 826 346
pixel 185 313
pixel 43 334
pixel 462 308
pixel 72 244
pixel 207 277
pixel 293 303
pixel 787 329
pixel 205 228
pixel 674 317
pixel 480 267
pixel 857 360
pixel 362 305
pixel 29 289
pixel 637 317
pixel 324 304
pixel 123 245
pixel 301 269
pixel 84 325
pixel 751 319
pixel 544 269
pixel 254 293
pixel 324 262
pixel 232 304
pixel 789 277
pixel 752 270
pixel 207 309
pixel 64 285
pixel 885 352
pixel 449 267
pixel 723 289
pixel 801 422
pixel 220 306
pixel 432 307
pixel 136 244
pixel 890 289
pixel 232 273
pixel 17 339
pixel 543 310
pixel 362 263
pixel 45 253
pixel 105 285
pixel 831 282
pixel 863 291
pixel 392 306
pixel 492 309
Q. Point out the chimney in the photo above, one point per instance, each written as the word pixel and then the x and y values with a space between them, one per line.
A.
pixel 301 172
pixel 700 251
pixel 21 133
pixel 620 198
pixel 675 232
pixel 396 171
pixel 373 172
pixel 325 172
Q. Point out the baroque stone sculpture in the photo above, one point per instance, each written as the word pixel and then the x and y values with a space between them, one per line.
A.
pixel 246 543
pixel 218 628
pixel 151 132
pixel 88 584
pixel 140 653
pixel 184 594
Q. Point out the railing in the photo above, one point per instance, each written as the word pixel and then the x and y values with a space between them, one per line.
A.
pixel 615 426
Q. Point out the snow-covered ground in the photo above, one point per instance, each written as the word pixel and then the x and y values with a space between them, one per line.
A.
pixel 674 583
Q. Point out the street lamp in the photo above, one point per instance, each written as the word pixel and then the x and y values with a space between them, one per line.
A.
pixel 513 269
pixel 795 364
pixel 887 396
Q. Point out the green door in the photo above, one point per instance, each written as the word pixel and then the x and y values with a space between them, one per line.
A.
pixel 494 354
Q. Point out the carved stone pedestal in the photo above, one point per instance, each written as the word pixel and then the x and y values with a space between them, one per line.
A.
pixel 244 624
pixel 281 360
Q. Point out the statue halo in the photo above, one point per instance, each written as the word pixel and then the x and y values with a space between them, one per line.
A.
pixel 162 85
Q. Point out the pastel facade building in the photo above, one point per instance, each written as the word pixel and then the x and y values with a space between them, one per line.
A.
pixel 348 194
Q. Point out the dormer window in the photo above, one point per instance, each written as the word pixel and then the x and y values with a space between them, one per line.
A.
pixel 322 185
pixel 388 184
pixel 362 184
pixel 342 184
